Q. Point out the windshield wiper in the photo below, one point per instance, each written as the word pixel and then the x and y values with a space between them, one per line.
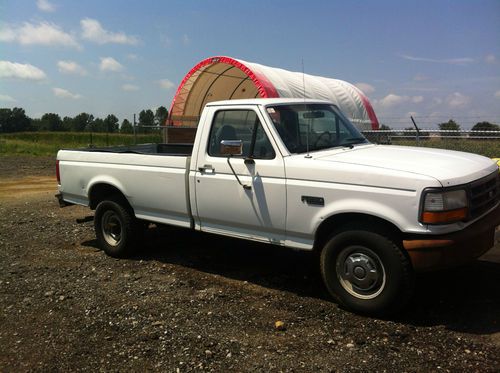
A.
pixel 349 142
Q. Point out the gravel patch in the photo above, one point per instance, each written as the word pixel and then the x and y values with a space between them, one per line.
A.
pixel 196 302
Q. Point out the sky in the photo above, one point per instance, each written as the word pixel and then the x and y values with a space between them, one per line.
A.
pixel 435 60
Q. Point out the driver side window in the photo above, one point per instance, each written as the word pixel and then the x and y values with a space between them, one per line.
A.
pixel 241 125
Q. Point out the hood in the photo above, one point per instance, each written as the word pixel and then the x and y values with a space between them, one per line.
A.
pixel 447 166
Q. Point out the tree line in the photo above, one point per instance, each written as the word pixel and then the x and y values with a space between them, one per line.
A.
pixel 454 129
pixel 16 120
pixel 477 129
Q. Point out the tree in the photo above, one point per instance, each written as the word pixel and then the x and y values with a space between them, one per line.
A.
pixel 146 118
pixel 82 122
pixel 383 127
pixel 67 124
pixel 51 122
pixel 484 126
pixel 161 115
pixel 126 127
pixel 97 125
pixel 451 126
pixel 36 123
pixel 111 123
pixel 14 120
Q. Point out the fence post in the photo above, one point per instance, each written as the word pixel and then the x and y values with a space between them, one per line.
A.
pixel 135 132
pixel 418 131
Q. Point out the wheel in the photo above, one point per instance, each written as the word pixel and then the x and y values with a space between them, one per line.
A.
pixel 117 230
pixel 366 272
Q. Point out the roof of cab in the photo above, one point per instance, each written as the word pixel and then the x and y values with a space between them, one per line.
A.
pixel 267 101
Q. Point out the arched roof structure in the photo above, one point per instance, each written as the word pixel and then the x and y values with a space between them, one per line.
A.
pixel 225 78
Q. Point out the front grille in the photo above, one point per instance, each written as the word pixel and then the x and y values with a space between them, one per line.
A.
pixel 484 194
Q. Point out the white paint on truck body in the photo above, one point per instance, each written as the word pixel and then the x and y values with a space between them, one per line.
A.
pixel 382 181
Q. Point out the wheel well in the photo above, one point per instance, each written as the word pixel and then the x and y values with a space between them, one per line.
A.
pixel 101 192
pixel 336 222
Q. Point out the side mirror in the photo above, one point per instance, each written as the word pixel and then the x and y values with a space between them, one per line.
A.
pixel 231 147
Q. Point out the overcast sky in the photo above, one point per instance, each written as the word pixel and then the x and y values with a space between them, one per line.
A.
pixel 434 59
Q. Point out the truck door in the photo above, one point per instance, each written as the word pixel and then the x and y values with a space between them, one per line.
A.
pixel 257 208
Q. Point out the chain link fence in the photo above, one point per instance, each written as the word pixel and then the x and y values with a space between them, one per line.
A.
pixel 390 136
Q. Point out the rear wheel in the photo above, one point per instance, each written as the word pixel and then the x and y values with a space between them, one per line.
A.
pixel 366 271
pixel 117 230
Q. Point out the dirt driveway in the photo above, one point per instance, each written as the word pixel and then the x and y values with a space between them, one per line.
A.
pixel 196 302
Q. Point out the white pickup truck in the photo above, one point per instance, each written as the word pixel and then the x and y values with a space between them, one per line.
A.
pixel 297 173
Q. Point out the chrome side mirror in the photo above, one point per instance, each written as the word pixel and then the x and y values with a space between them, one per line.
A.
pixel 231 147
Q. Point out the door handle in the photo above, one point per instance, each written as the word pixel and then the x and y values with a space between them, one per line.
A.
pixel 207 169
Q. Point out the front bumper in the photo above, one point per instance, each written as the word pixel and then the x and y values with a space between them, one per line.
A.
pixel 429 252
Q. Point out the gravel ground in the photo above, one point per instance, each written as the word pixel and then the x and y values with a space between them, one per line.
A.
pixel 196 302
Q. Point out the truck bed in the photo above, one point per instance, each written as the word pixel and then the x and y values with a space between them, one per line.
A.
pixel 156 149
pixel 151 176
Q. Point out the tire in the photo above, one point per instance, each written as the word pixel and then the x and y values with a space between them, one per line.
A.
pixel 366 272
pixel 117 230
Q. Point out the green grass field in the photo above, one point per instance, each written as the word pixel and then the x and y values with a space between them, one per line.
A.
pixel 48 143
pixel 488 148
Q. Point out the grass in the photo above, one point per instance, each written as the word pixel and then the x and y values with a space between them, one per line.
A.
pixel 488 148
pixel 48 143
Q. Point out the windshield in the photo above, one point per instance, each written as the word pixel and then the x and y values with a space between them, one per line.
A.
pixel 311 127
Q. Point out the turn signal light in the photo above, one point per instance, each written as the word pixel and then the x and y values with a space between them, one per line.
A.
pixel 436 217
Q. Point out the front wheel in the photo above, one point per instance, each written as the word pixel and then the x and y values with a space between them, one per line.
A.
pixel 366 272
pixel 116 228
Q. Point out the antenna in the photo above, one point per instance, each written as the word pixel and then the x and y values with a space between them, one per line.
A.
pixel 308 119
pixel 303 82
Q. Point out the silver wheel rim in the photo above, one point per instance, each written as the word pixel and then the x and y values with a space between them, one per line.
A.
pixel 361 272
pixel 111 228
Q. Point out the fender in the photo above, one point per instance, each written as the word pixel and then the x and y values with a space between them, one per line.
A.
pixel 108 180
pixel 365 206
pixel 362 206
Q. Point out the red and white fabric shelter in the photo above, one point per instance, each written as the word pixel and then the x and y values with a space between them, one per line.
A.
pixel 225 78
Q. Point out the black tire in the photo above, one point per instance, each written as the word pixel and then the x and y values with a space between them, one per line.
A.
pixel 367 272
pixel 116 228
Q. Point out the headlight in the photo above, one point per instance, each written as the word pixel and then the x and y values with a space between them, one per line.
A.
pixel 444 207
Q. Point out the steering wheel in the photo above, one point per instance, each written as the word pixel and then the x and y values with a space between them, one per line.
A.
pixel 320 137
